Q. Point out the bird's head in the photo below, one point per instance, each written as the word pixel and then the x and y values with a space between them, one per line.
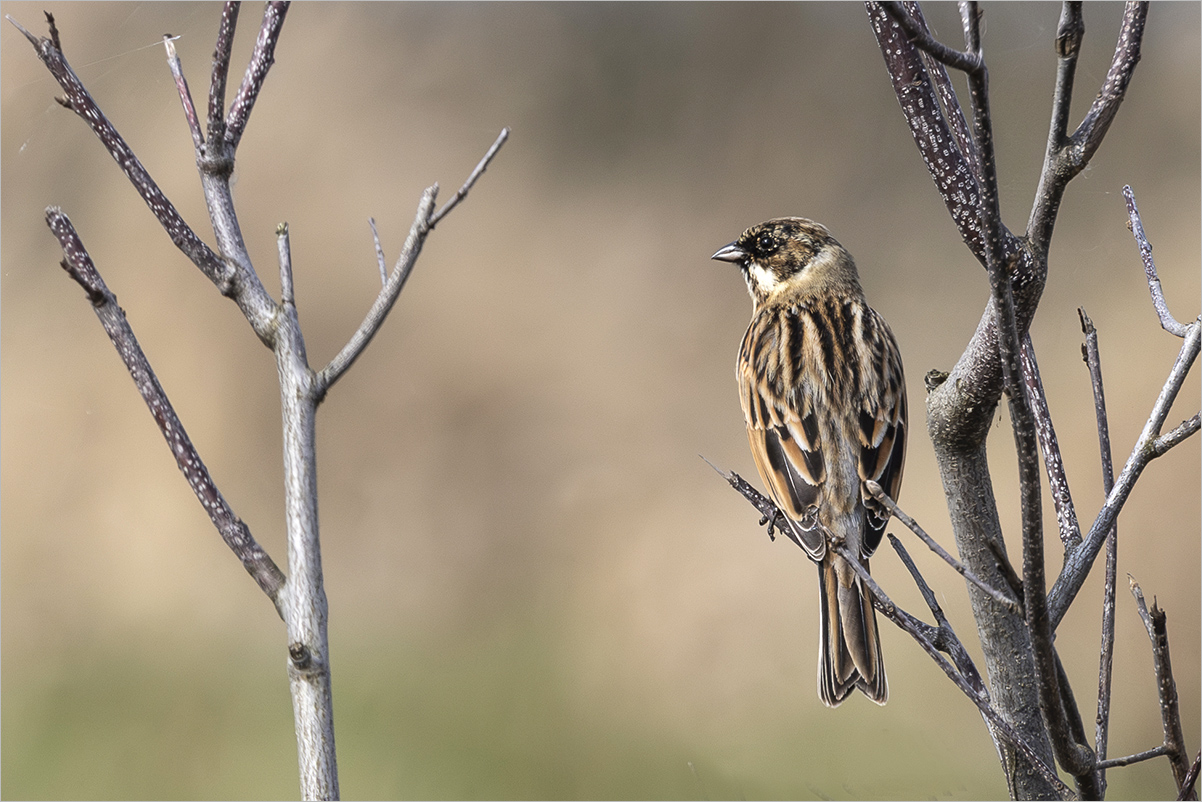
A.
pixel 791 256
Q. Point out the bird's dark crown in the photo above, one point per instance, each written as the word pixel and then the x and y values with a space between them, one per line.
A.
pixel 793 254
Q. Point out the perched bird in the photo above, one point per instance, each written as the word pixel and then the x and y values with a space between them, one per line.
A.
pixel 821 385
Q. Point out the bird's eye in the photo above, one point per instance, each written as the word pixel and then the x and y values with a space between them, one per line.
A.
pixel 765 243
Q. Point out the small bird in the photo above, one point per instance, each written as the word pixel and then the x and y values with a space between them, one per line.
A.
pixel 821 385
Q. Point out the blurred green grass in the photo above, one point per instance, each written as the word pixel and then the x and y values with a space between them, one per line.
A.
pixel 489 719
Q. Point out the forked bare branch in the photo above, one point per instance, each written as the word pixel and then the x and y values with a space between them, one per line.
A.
pixel 423 224
pixel 878 493
pixel 79 100
pixel 1148 447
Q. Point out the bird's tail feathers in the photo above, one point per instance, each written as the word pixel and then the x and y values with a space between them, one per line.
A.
pixel 849 642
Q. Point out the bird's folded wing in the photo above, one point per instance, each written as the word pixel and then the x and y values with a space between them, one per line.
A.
pixel 787 454
pixel 882 435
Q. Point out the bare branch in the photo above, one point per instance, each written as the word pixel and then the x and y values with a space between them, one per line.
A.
pixel 1070 32
pixel 1178 435
pixel 1053 178
pixel 931 639
pixel 58 45
pixel 471 179
pixel 233 530
pixel 771 515
pixel 1075 757
pixel 423 223
pixel 284 247
pixel 380 261
pixel 960 407
pixel 1002 562
pixel 1106 660
pixel 1078 562
pixel 953 113
pixel 921 38
pixel 880 495
pixel 1136 226
pixel 941 146
pixel 185 94
pixel 1066 157
pixel 261 59
pixel 945 637
pixel 1089 134
pixel 975 691
pixel 81 102
pixel 1128 760
pixel 1062 499
pixel 391 290
pixel 1191 778
pixel 1155 622
pixel 221 69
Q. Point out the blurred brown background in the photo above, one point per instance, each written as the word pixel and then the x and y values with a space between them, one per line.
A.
pixel 537 587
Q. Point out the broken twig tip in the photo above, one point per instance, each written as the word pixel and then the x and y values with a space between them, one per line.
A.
pixel 724 474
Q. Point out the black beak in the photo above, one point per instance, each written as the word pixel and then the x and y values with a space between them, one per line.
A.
pixel 731 253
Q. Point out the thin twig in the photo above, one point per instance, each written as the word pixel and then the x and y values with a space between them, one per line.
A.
pixel 1072 715
pixel 380 260
pixel 881 496
pixel 1066 156
pixel 58 45
pixel 1136 226
pixel 771 514
pixel 1191 779
pixel 1052 179
pixel 966 678
pixel 1070 32
pixel 471 179
pixel 1077 562
pixel 1089 134
pixel 233 530
pixel 221 69
pixel 423 223
pixel 79 100
pixel 185 94
pixel 1155 621
pixel 947 641
pixel 1049 445
pixel 1183 430
pixel 975 691
pixel 387 296
pixel 261 59
pixel 1106 660
pixel 1002 564
pixel 284 247
pixel 1138 757
pixel 968 62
